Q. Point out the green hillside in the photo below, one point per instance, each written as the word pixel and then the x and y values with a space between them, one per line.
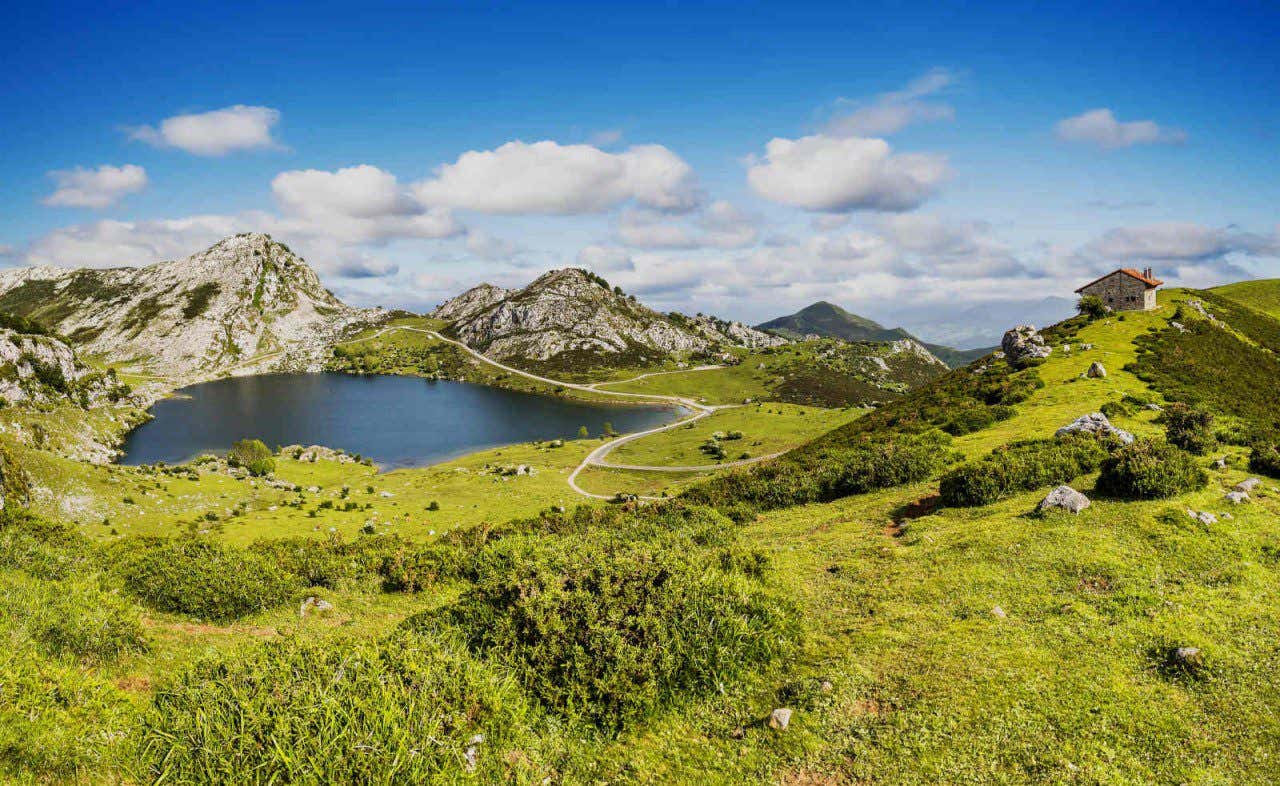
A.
pixel 890 585
pixel 1261 295
pixel 830 321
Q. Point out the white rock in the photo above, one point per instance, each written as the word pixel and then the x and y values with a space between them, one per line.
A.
pixel 1248 485
pixel 1064 498
pixel 1095 423
pixel 1096 370
pixel 1237 497
pixel 780 718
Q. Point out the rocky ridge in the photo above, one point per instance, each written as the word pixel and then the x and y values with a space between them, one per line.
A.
pixel 571 310
pixel 247 304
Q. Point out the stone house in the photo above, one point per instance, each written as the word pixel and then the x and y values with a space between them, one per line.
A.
pixel 1125 289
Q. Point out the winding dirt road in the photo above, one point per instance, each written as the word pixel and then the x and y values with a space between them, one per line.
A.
pixel 596 457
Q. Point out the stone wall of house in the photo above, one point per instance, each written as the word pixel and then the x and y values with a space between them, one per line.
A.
pixel 1122 292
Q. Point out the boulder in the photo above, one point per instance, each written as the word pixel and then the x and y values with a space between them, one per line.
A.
pixel 998 612
pixel 1064 498
pixel 1203 517
pixel 1248 485
pixel 780 718
pixel 1237 497
pixel 1023 344
pixel 314 604
pixel 1096 370
pixel 1220 462
pixel 1095 423
pixel 1155 407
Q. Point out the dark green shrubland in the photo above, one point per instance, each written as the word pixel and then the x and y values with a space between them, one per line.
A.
pixel 1021 466
pixel 1264 457
pixel 1149 469
pixel 253 455
pixel 1189 428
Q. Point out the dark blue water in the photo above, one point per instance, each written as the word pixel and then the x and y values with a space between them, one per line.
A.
pixel 396 421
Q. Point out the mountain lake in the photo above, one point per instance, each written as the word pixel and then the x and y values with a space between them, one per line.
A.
pixel 395 421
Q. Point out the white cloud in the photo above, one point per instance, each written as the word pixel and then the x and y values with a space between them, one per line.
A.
pixel 122 243
pixel 823 173
pixel 606 137
pixel 1101 128
pixel 488 247
pixel 1181 241
pixel 99 187
pixel 605 259
pixel 550 178
pixel 720 224
pixel 214 133
pixel 357 204
pixel 891 112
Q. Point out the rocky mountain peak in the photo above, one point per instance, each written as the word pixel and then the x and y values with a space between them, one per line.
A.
pixel 246 303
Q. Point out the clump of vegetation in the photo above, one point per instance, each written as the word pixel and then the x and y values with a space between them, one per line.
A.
pixel 75 617
pixel 331 561
pixel 406 709
pixel 204 579
pixel 198 299
pixel 821 474
pixel 1264 457
pixel 1092 307
pixel 612 629
pixel 1189 428
pixel 407 570
pixel 253 455
pixel 1021 466
pixel 1148 469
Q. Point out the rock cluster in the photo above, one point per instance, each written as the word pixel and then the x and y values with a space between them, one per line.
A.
pixel 571 310
pixel 1095 423
pixel 1023 345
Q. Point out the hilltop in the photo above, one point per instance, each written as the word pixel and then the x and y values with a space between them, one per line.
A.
pixel 830 321
pixel 248 303
pixel 571 316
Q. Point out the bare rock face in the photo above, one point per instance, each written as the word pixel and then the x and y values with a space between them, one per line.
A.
pixel 1064 498
pixel 1095 423
pixel 572 310
pixel 1023 345
pixel 44 369
pixel 246 304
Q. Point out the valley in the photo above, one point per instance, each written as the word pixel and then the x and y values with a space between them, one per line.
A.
pixel 844 529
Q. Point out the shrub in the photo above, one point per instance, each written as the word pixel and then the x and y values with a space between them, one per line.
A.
pixel 1021 466
pixel 202 578
pixel 824 473
pixel 412 571
pixel 613 629
pixel 1265 458
pixel 75 617
pixel 1092 306
pixel 401 710
pixel 1148 469
pixel 42 549
pixel 253 455
pixel 331 561
pixel 1188 428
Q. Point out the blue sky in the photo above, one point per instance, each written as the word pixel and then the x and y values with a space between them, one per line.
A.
pixel 905 160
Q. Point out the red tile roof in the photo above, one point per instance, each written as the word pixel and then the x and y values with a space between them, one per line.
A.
pixel 1128 271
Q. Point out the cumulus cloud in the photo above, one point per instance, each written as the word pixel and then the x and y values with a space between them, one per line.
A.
pixel 1181 241
pixel 550 178
pixel 830 174
pixel 604 259
pixel 720 224
pixel 99 187
pixel 121 243
pixel 214 133
pixel 1100 127
pixel 355 205
pixel 891 112
pixel 491 248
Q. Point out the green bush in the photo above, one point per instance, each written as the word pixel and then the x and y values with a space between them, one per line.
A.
pixel 1265 458
pixel 413 571
pixel 1148 469
pixel 1189 428
pixel 201 578
pixel 824 473
pixel 75 617
pixel 1092 306
pixel 330 561
pixel 401 710
pixel 1021 466
pixel 41 548
pixel 613 629
pixel 253 455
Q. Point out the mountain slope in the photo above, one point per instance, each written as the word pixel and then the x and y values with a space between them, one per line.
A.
pixel 830 321
pixel 1261 295
pixel 247 303
pixel 571 313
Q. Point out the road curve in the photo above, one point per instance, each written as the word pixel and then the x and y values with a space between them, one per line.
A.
pixel 594 458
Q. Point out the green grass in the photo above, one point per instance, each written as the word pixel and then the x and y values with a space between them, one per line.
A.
pixel 1262 295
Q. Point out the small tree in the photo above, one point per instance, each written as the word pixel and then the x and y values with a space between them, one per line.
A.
pixel 1092 306
pixel 583 433
pixel 253 455
pixel 1188 428
pixel 608 429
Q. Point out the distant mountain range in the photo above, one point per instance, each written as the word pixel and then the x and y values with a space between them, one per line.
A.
pixel 830 321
